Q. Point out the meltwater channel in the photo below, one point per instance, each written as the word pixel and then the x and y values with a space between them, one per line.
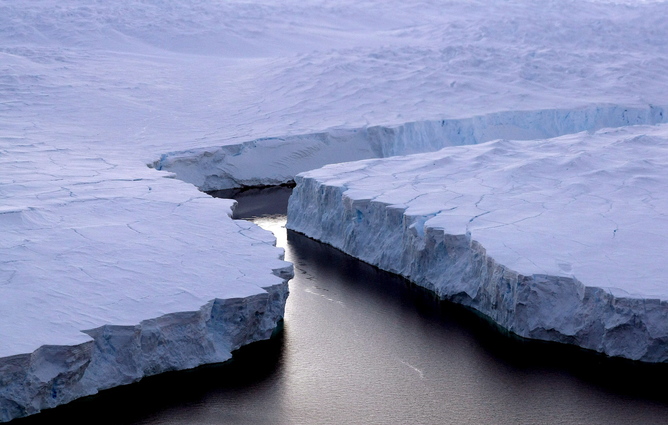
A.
pixel 361 346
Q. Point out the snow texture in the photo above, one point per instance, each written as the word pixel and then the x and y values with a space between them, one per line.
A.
pixel 111 273
pixel 178 83
pixel 97 247
pixel 559 239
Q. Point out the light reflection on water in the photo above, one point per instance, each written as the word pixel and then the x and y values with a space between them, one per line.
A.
pixel 363 346
pixel 371 349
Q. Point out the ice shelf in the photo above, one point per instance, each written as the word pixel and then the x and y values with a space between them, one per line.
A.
pixel 111 272
pixel 104 263
pixel 222 167
pixel 559 239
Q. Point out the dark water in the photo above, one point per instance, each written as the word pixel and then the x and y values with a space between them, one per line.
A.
pixel 362 346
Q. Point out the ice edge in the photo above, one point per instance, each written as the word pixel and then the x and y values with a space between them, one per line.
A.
pixel 457 268
pixel 230 166
pixel 118 355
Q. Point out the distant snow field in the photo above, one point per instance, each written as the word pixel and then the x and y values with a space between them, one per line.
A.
pixel 109 271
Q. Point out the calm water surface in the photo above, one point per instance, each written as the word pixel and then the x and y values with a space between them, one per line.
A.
pixel 362 346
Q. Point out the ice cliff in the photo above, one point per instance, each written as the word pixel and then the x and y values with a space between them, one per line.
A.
pixel 111 272
pixel 559 239
pixel 233 165
pixel 97 252
pixel 122 354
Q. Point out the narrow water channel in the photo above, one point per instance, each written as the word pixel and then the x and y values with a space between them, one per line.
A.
pixel 361 346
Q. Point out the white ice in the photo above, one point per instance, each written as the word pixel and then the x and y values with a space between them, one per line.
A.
pixel 198 87
pixel 559 239
pixel 235 93
pixel 111 272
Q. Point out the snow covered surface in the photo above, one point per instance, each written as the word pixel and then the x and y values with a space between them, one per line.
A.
pixel 112 272
pixel 561 239
pixel 201 80
pixel 92 91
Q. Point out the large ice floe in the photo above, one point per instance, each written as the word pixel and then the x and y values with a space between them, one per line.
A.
pixel 561 239
pixel 109 271
pixel 114 273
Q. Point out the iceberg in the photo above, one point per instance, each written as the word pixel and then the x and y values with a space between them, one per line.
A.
pixel 556 239
pixel 111 272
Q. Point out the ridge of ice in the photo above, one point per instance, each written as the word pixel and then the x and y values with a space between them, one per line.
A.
pixel 558 239
pixel 111 272
pixel 229 166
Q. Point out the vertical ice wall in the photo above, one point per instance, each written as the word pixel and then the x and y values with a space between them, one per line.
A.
pixel 229 166
pixel 109 272
pixel 123 354
pixel 558 240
